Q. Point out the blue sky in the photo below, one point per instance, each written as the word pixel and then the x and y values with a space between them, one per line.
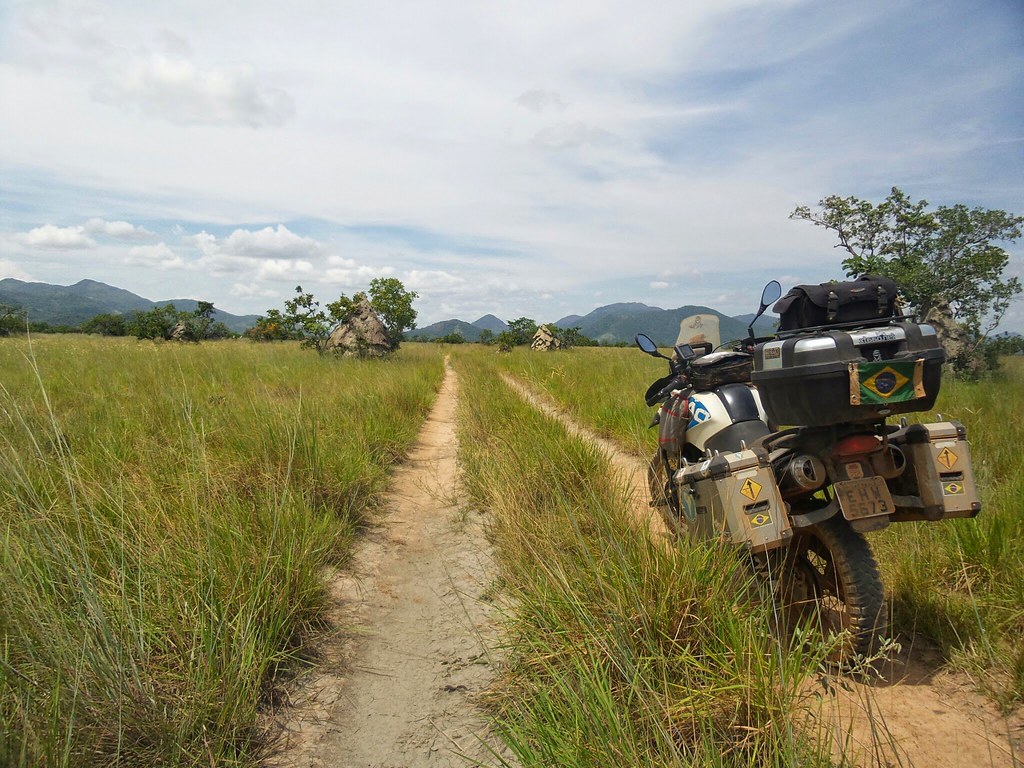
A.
pixel 528 158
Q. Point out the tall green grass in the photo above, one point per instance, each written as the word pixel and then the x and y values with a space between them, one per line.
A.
pixel 165 515
pixel 621 650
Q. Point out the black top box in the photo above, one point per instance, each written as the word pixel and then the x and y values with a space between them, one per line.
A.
pixel 830 376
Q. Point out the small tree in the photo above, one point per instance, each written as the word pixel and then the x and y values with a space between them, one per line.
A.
pixel 12 319
pixel 220 330
pixel 201 320
pixel 946 259
pixel 486 337
pixel 107 324
pixel 393 304
pixel 455 337
pixel 309 322
pixel 521 330
pixel 570 337
pixel 157 323
pixel 273 326
pixel 506 341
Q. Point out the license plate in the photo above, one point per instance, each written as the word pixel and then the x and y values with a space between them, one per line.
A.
pixel 867 497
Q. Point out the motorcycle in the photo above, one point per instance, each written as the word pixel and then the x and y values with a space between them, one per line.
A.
pixel 782 446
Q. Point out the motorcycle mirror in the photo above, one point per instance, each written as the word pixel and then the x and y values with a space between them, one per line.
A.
pixel 644 342
pixel 771 293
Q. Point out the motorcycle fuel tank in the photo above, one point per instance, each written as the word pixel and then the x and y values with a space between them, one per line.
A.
pixel 713 411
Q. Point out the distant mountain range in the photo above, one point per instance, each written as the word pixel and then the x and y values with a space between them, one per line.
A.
pixel 610 324
pixel 74 304
pixel 469 331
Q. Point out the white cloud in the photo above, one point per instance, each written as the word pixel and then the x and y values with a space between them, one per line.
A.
pixel 119 230
pixel 434 280
pixel 270 243
pixel 660 285
pixel 54 237
pixel 276 254
pixel 269 253
pixel 252 290
pixel 120 60
pixel 569 135
pixel 204 241
pixel 539 101
pixel 13 269
pixel 177 90
pixel 158 256
pixel 283 269
pixel 668 134
pixel 348 272
pixel 172 44
pixel 683 273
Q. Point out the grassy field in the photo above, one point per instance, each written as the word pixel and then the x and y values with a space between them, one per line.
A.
pixel 957 583
pixel 621 651
pixel 167 512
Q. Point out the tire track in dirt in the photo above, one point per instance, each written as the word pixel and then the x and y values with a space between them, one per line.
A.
pixel 918 714
pixel 630 471
pixel 396 685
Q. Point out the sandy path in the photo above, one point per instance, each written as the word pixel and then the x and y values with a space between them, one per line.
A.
pixel 918 715
pixel 397 684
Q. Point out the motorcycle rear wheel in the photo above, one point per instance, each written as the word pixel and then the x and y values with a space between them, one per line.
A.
pixel 830 580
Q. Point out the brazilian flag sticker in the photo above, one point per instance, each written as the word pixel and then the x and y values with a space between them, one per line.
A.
pixel 886 381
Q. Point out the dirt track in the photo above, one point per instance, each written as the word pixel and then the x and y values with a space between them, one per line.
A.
pixel 400 693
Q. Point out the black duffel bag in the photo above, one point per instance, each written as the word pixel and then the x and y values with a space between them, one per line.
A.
pixel 718 368
pixel 867 298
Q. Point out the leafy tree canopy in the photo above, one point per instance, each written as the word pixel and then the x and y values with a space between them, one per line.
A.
pixel 160 323
pixel 455 337
pixel 273 326
pixel 393 304
pixel 157 323
pixel 12 319
pixel 304 318
pixel 309 321
pixel 107 324
pixel 571 337
pixel 944 257
pixel 521 330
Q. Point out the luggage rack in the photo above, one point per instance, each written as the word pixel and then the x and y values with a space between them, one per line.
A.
pixel 844 326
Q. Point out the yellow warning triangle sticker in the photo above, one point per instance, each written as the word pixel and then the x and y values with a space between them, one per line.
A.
pixel 947 458
pixel 751 489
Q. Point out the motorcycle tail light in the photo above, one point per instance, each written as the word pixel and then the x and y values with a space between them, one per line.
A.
pixel 856 445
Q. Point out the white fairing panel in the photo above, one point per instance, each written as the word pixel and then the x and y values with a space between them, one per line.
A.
pixel 708 417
